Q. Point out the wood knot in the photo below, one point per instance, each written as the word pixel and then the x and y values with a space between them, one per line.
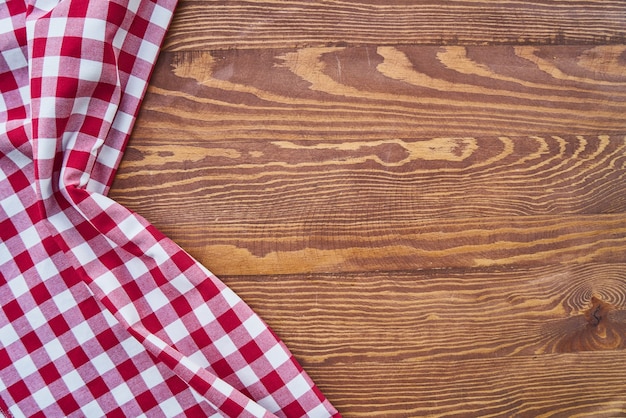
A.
pixel 602 326
pixel 598 311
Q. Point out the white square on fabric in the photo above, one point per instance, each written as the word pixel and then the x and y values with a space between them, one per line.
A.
pixel 131 227
pixel 80 106
pixel 43 397
pixel 147 51
pixel 89 70
pixel 6 25
pixel 103 201
pixel 159 343
pixel 254 326
pixel 270 404
pixel 225 346
pixel 319 411
pixel 160 16
pixel 247 376
pixel 82 332
pixel 73 381
pixel 276 356
pixel 85 254
pixel 25 366
pixel 30 237
pixel 108 283
pixel 176 331
pixel 133 5
pixel 47 147
pixel 170 407
pixel 94 29
pixel 25 93
pixel 132 347
pixel 84 178
pixel 92 409
pixel 158 253
pixel 5 254
pixel 204 314
pixel 51 66
pixel 103 363
pixel 48 106
pixel 182 284
pixel 122 394
pixel 64 301
pixel 35 317
pixel 119 38
pixel 8 335
pixel 54 349
pixel 231 297
pixel 122 122
pixel 45 188
pixel 152 377
pixel 46 269
pixel 95 186
pixel 129 313
pixel 57 27
pixel 12 205
pixel 199 358
pixel 135 87
pixel 223 387
pixel 18 286
pixel 255 409
pixel 14 57
pixel 156 299
pixel 60 221
pixel 136 267
pixel 108 156
pixel 19 159
pixel 190 365
pixel 298 386
pixel 109 114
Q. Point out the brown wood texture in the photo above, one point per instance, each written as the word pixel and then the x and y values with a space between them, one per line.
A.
pixel 424 199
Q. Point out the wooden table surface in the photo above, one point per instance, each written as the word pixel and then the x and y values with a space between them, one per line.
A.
pixel 423 198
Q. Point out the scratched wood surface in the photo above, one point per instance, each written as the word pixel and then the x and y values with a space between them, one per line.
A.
pixel 424 199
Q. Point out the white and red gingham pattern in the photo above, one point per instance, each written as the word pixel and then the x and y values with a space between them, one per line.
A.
pixel 100 314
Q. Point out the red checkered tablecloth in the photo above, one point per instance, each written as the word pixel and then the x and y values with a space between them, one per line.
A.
pixel 102 315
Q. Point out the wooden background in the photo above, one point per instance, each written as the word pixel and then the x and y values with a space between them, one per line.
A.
pixel 424 199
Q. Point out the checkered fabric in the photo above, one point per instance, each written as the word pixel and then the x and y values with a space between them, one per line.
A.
pixel 100 314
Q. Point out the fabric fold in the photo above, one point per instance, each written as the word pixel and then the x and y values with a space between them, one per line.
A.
pixel 101 314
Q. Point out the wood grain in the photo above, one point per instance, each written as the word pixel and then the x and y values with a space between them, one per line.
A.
pixel 424 199
pixel 288 207
pixel 202 25
pixel 265 247
pixel 373 94
pixel 580 385
pixel 536 341
pixel 450 314
pixel 390 180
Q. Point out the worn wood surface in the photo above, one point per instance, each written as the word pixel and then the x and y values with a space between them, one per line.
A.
pixel 424 199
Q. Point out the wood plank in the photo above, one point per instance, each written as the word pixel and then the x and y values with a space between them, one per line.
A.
pixel 442 315
pixel 383 93
pixel 251 208
pixel 561 385
pixel 278 248
pixel 285 181
pixel 201 25
pixel 521 342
